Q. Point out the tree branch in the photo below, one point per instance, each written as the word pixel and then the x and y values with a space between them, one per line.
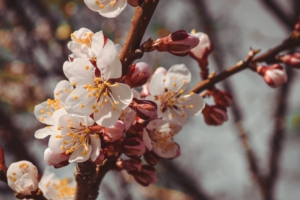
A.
pixel 268 57
pixel 135 35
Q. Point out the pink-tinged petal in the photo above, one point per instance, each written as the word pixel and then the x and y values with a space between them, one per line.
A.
pixel 79 154
pixel 147 141
pixel 114 132
pixel 44 132
pixel 96 145
pixel 128 116
pixel 106 116
pixel 79 103
pixel 108 62
pixel 53 158
pixel 41 113
pixel 194 104
pixel 156 123
pixel 79 72
pixel 97 42
pixel 163 152
pixel 156 84
pixel 62 90
pixel 178 77
pixel 123 94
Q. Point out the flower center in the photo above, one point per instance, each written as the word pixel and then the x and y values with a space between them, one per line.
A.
pixel 86 39
pixel 103 3
pixel 61 188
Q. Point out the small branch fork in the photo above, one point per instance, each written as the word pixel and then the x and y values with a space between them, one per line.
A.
pixel 268 57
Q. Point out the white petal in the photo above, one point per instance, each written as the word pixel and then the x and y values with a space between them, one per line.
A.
pixel 79 103
pixel 178 77
pixel 78 156
pixel 123 94
pixel 79 72
pixel 97 42
pixel 62 90
pixel 108 10
pixel 96 145
pixel 41 113
pixel 156 86
pixel 107 116
pixel 194 104
pixel 108 62
pixel 170 153
pixel 44 132
pixel 57 114
pixel 55 144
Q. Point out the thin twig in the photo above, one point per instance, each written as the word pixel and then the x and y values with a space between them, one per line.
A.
pixel 268 57
pixel 139 24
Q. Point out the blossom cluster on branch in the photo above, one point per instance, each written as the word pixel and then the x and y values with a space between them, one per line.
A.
pixel 101 115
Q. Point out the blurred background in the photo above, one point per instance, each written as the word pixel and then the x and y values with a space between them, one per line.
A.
pixel 213 163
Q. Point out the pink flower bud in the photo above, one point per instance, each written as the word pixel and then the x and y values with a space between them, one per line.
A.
pixel 292 59
pixel 151 158
pixel 274 76
pixel 146 175
pixel 131 166
pixel 138 74
pixel 222 98
pixel 145 91
pixel 214 115
pixel 144 109
pixel 134 3
pixel 56 159
pixel 133 147
pixel 178 43
pixel 204 48
pixel 114 132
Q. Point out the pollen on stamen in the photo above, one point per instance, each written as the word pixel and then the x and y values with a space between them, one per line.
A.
pixel 42 119
pixel 184 81
pixel 174 84
pixel 42 111
pixel 96 111
pixel 81 106
pixel 192 93
pixel 105 100
pixel 97 2
pixel 101 6
pixel 76 97
pixel 183 106
pixel 74 84
pixel 182 115
pixel 116 84
pixel 56 93
pixel 182 99
pixel 112 2
pixel 59 128
pixel 99 103
pixel 87 67
pixel 191 106
pixel 181 91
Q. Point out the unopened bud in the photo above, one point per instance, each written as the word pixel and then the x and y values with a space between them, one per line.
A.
pixel 114 132
pixel 214 115
pixel 132 165
pixel 146 175
pixel 144 109
pixel 203 49
pixel 291 59
pixel 274 76
pixel 22 177
pixel 56 160
pixel 222 98
pixel 138 74
pixel 110 151
pixel 151 158
pixel 178 43
pixel 133 147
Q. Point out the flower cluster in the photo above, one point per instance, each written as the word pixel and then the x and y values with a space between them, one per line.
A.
pixel 97 115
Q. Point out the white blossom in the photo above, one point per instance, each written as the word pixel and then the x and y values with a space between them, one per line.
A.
pixel 168 91
pixel 74 137
pixel 86 44
pixel 56 189
pixel 107 8
pixel 22 177
pixel 49 111
pixel 96 92
pixel 158 137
